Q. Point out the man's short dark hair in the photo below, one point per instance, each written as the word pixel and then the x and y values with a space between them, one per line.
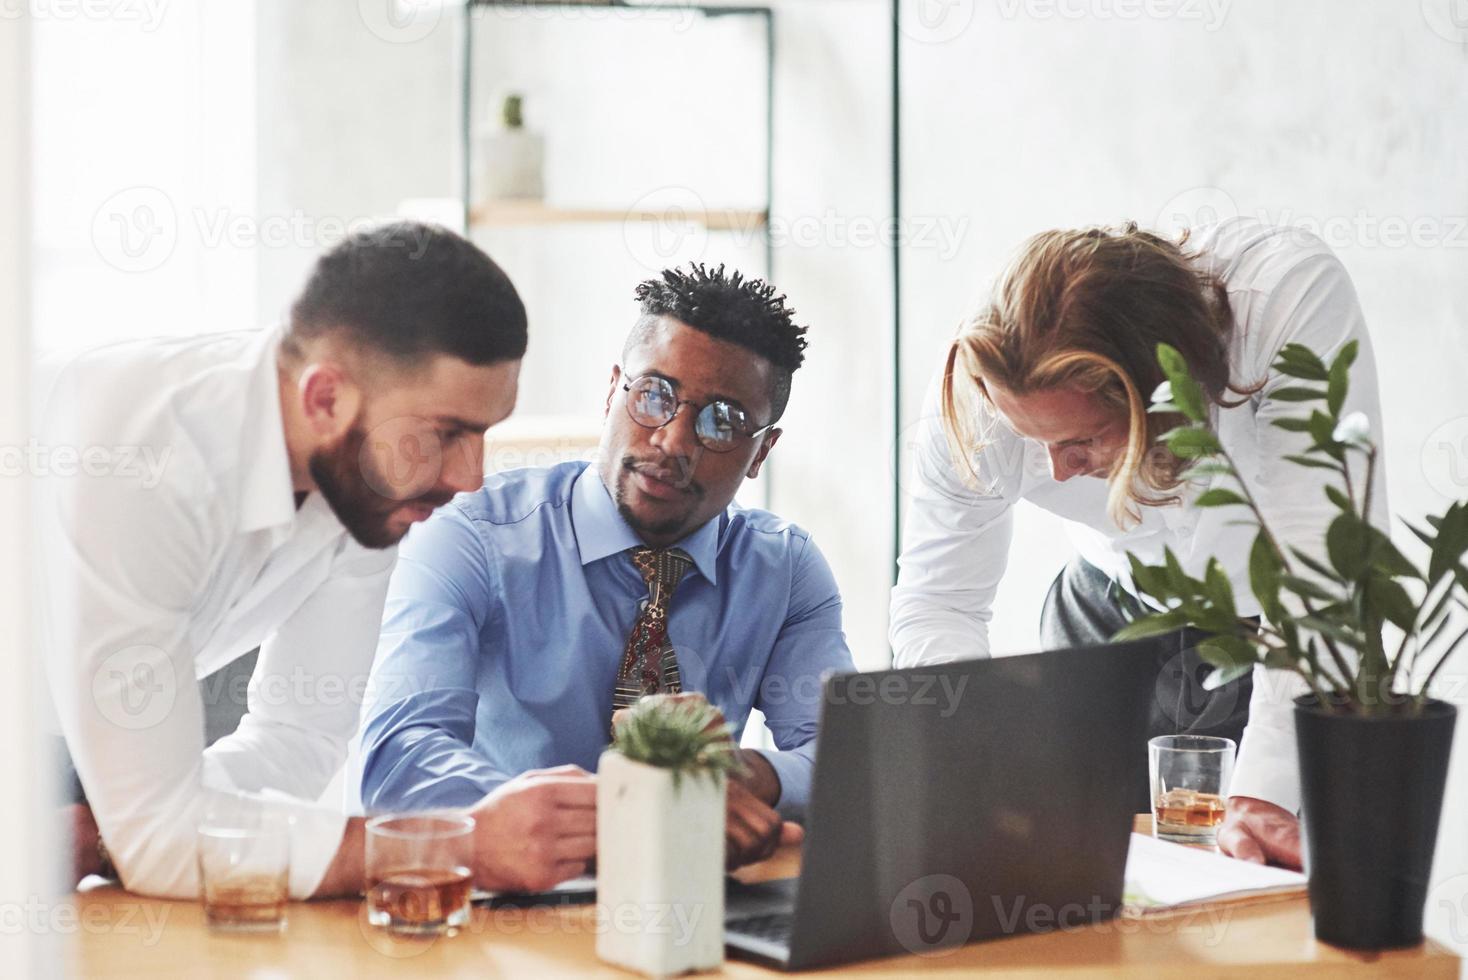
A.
pixel 410 291
pixel 729 307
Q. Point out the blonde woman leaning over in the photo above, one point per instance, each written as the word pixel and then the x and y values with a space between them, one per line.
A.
pixel 1043 398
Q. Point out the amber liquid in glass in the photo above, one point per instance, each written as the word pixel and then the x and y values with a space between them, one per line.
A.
pixel 1187 815
pixel 248 904
pixel 420 900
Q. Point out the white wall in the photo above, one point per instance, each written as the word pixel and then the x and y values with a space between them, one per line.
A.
pixel 25 879
pixel 358 113
pixel 1031 114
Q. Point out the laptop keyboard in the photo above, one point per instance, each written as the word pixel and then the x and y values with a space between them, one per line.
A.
pixel 772 928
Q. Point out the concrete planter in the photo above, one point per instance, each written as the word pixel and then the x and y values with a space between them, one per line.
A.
pixel 512 166
pixel 659 869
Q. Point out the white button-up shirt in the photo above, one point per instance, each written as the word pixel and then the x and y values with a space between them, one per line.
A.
pixel 1284 286
pixel 170 544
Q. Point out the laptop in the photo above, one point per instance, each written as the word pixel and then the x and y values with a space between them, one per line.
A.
pixel 957 803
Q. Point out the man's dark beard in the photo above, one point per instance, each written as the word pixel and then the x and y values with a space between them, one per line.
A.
pixel 673 528
pixel 362 510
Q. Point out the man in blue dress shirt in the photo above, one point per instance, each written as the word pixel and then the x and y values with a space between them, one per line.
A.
pixel 521 616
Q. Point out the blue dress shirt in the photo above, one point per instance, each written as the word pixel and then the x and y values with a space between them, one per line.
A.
pixel 507 618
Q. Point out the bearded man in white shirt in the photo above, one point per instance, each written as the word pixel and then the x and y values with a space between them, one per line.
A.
pixel 1044 398
pixel 288 464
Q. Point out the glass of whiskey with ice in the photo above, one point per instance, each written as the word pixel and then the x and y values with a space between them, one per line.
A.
pixel 1190 776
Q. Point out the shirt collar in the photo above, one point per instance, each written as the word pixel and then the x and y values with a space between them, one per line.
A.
pixel 601 530
pixel 267 498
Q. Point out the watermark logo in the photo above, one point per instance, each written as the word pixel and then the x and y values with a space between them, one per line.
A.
pixel 1194 208
pixel 1210 13
pixel 1445 458
pixel 402 458
pixel 935 21
pixel 136 229
pixel 147 14
pixel 400 21
pixel 933 916
pixel 1448 19
pixel 666 227
pixel 134 688
pixel 1447 908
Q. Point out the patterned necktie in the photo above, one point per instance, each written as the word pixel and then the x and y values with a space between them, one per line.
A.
pixel 649 665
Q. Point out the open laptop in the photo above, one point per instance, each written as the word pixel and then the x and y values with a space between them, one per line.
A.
pixel 960 802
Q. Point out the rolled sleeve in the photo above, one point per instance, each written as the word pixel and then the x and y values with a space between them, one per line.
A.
pixel 810 645
pixel 419 718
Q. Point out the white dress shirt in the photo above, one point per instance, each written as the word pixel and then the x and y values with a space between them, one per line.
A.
pixel 1284 285
pixel 170 545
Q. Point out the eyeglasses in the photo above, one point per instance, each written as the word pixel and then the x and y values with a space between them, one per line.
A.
pixel 652 402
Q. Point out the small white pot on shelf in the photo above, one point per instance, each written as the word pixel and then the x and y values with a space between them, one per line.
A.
pixel 659 868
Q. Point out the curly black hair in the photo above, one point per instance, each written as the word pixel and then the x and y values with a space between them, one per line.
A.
pixel 727 306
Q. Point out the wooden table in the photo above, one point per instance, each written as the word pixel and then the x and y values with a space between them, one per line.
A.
pixel 121 935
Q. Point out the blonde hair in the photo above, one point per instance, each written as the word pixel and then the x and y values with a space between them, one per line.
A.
pixel 1085 309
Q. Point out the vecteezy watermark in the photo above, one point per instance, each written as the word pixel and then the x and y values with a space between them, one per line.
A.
pixel 1201 206
pixel 144 464
pixel 401 21
pixel 678 920
pixel 139 229
pixel 1447 908
pixel 135 688
pixel 935 21
pixel 1209 13
pixel 672 225
pixel 1448 19
pixel 147 14
pixel 65 918
pixel 932 916
pixel 1445 458
pixel 136 229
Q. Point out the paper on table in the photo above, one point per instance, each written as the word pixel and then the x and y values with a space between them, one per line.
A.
pixel 1161 875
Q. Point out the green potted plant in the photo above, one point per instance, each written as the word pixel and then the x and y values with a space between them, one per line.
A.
pixel 660 837
pixel 512 157
pixel 1373 744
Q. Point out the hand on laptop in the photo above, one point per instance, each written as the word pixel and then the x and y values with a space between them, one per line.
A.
pixel 535 831
pixel 1261 832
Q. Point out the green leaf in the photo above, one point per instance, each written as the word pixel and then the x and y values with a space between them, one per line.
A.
pixel 1264 576
pixel 1315 566
pixel 1219 497
pixel 1297 393
pixel 1225 675
pixel 1340 377
pixel 1154 624
pixel 1317 464
pixel 1336 631
pixel 1322 429
pixel 1228 651
pixel 1220 589
pixel 1384 556
pixel 1299 361
pixel 1345 542
pixel 1186 394
pixel 1338 498
pixel 1451 543
pixel 1391 602
pixel 1191 443
pixel 1182 583
pixel 1206 469
pixel 1305 587
pixel 1291 424
pixel 1151 580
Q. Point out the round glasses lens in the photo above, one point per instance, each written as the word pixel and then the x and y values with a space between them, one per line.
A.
pixel 720 425
pixel 651 402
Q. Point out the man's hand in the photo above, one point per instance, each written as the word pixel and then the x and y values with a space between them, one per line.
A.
pixel 753 829
pixel 85 858
pixel 535 831
pixel 1261 832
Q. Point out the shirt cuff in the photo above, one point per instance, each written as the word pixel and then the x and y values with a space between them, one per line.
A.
pixel 1267 767
pixel 316 834
pixel 793 771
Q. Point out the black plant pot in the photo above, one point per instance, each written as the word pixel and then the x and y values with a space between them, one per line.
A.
pixel 1372 793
